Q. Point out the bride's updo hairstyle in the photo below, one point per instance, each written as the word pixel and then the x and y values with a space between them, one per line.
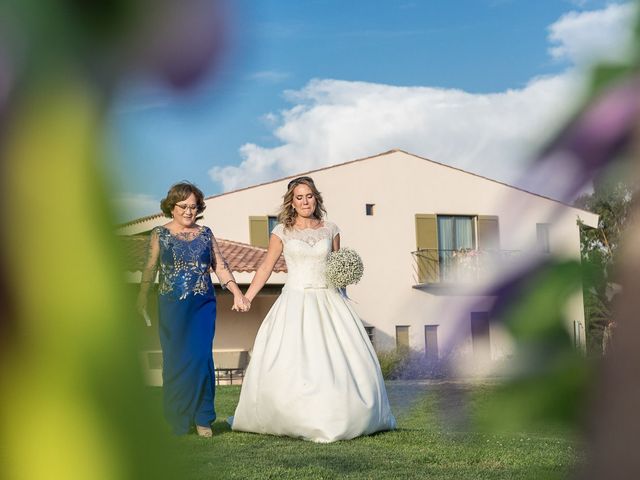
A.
pixel 287 215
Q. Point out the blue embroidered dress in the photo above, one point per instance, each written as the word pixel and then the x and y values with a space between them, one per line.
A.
pixel 187 314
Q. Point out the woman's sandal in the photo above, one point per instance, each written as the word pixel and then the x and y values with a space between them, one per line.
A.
pixel 204 431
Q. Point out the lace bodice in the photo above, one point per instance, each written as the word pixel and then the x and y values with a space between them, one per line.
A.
pixel 184 264
pixel 305 252
pixel 184 261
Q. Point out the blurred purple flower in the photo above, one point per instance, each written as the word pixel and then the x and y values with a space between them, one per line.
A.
pixel 586 146
pixel 183 39
pixel 596 138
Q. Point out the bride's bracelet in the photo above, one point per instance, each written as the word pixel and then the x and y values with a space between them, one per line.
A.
pixel 224 285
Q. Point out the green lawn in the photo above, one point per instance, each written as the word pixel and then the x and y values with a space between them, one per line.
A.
pixel 434 440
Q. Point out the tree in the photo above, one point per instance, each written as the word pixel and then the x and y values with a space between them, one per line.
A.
pixel 611 200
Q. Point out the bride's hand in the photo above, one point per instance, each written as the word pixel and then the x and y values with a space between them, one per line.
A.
pixel 241 303
pixel 246 303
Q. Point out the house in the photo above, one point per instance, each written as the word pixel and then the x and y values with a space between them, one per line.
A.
pixel 431 236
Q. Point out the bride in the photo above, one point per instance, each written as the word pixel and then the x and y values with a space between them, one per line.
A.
pixel 313 374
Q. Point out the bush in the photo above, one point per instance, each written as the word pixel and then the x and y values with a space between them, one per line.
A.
pixel 390 362
pixel 405 364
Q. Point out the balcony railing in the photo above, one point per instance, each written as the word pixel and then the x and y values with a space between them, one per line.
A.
pixel 466 266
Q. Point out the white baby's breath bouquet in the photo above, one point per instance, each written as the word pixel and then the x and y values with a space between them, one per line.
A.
pixel 344 267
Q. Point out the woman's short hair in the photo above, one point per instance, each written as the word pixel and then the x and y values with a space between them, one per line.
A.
pixel 287 214
pixel 179 192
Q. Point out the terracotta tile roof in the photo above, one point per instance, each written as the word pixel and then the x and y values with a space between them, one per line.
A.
pixel 246 258
pixel 240 256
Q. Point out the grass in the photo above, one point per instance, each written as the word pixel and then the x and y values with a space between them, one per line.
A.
pixel 435 440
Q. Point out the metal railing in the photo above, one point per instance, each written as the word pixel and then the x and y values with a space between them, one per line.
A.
pixel 226 376
pixel 231 374
pixel 435 266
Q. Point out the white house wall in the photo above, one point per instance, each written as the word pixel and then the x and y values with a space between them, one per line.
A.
pixel 403 185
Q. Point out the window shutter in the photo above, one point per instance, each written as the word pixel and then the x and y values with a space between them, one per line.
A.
pixel 402 337
pixel 431 343
pixel 427 240
pixel 259 231
pixel 488 232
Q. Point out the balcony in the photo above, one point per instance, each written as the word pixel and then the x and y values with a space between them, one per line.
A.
pixel 437 269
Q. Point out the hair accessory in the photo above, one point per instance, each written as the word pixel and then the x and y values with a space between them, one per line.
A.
pixel 298 180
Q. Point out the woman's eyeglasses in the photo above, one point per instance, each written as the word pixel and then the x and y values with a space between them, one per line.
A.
pixel 193 208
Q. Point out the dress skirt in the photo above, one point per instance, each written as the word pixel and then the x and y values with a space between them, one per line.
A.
pixel 186 329
pixel 313 373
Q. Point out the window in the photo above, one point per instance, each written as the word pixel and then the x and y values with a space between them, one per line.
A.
pixel 431 343
pixel 273 221
pixel 480 335
pixel 369 208
pixel 542 234
pixel 455 233
pixel 402 336
pixel 370 333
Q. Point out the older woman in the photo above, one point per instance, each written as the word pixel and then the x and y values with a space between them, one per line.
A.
pixel 313 373
pixel 185 254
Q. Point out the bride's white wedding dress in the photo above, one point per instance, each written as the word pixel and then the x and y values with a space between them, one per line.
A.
pixel 313 373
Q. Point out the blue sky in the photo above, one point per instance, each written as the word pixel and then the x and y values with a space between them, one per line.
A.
pixel 304 84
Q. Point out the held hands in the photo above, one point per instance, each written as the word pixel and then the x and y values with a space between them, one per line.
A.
pixel 241 303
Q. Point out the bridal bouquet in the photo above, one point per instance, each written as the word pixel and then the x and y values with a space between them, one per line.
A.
pixel 344 267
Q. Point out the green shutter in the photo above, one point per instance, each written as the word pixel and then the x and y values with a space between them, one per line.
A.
pixel 259 231
pixel 431 343
pixel 427 241
pixel 488 232
pixel 402 337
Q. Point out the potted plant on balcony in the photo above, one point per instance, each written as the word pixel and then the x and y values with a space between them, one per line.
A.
pixel 466 262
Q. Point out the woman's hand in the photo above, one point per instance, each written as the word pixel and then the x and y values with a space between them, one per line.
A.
pixel 241 303
pixel 247 303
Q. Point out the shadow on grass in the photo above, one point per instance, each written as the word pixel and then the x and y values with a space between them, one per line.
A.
pixel 221 427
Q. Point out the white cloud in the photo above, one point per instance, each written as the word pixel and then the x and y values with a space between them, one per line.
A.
pixel 584 37
pixel 270 119
pixel 332 121
pixel 134 205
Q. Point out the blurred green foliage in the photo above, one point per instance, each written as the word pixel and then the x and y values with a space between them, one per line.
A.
pixel 549 379
pixel 73 402
pixel 547 376
pixel 611 199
